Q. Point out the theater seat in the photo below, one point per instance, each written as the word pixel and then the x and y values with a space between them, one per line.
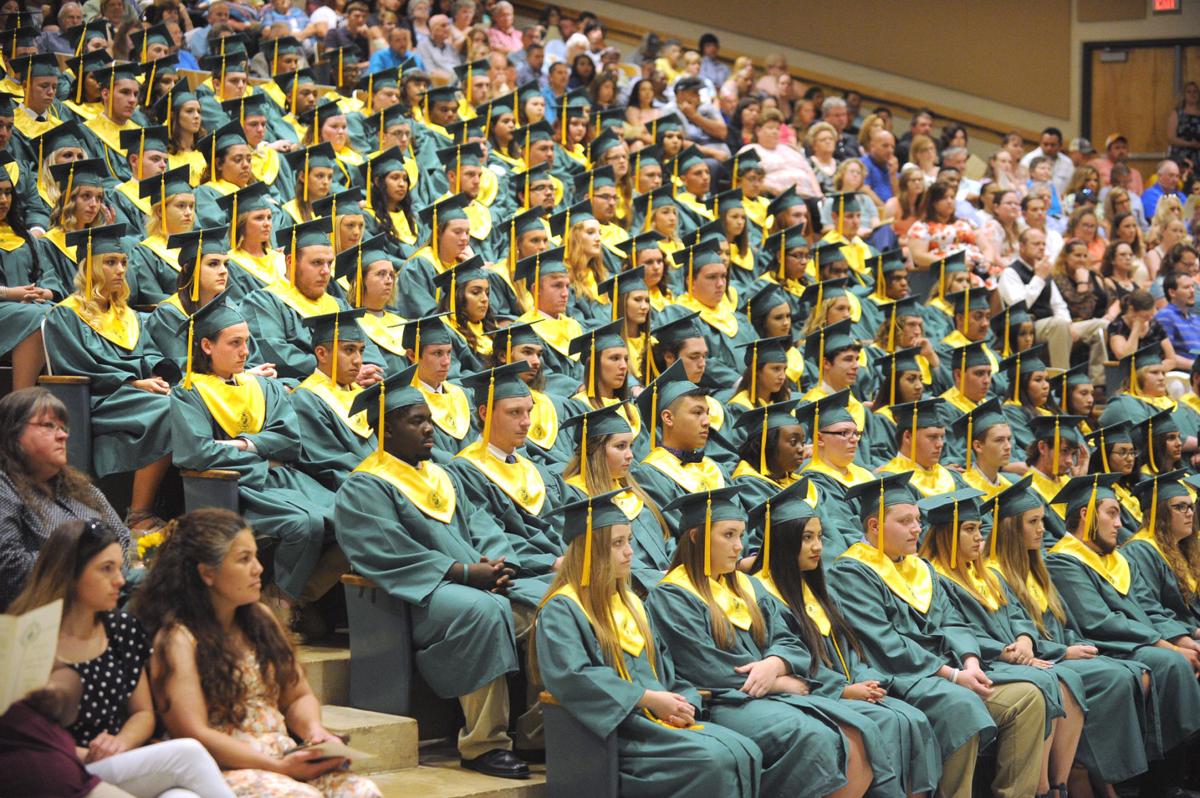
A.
pixel 381 655
pixel 577 761
pixel 76 394
pixel 212 488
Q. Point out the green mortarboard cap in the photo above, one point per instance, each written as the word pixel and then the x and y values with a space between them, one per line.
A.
pixel 539 265
pixel 90 172
pixel 447 210
pixel 273 48
pixel 345 322
pixel 368 251
pixel 459 155
pixel 234 60
pixel 766 350
pixel 386 162
pixel 1043 428
pixel 887 261
pixel 892 364
pixel 606 336
pixel 1162 422
pixel 1075 375
pixel 68 134
pixel 1168 486
pixel 166 65
pixel 322 113
pixel 944 508
pixel 242 108
pixel 433 332
pixel 687 159
pixel 829 339
pixel 313 233
pixel 599 177
pixel 695 509
pixel 969 356
pixel 790 238
pixel 599 511
pixel 605 119
pixel 318 156
pixel 525 222
pixel 831 409
pixel 779 414
pixel 709 231
pixel 954 262
pixel 117 71
pixel 217 315
pixel 605 421
pixel 786 505
pixel 908 307
pixel 142 39
pixel 1016 499
pixel 462 131
pixel 40 65
pixel 538 131
pixel 438 94
pixel 1149 355
pixel 1005 325
pixel 254 197
pixel 148 139
pixel 536 174
pixel 79 35
pixel 604 142
pixel 1119 432
pixel 979 419
pixel 787 198
pixel 574 101
pixel 8 104
pixel 665 124
pixel 15 38
pixel 180 95
pixel 844 201
pixel 209 241
pixel 165 184
pixel 340 203
pixel 1024 363
pixel 221 139
pixel 893 488
pixel 516 334
pixel 740 164
pixel 496 107
pixel 576 214
pixel 731 198
pixel 301 77
pixel 105 240
pixel 825 254
pixel 919 415
pixel 624 282
pixel 505 382
pixel 641 242
pixel 398 391
pixel 387 118
pixel 646 156
pixel 699 255
pixel 678 330
pixel 88 63
pixel 660 394
pixel 660 197
pixel 383 79
pixel 461 273
pixel 529 90
pixel 978 300
pixel 827 289
pixel 479 67
pixel 1078 493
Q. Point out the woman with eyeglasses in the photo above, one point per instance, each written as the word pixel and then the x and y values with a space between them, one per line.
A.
pixel 1166 555
pixel 1113 452
pixel 81 565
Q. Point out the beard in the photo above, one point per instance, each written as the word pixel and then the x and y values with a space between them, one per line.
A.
pixel 1105 547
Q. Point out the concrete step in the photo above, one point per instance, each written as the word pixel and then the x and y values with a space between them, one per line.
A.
pixel 328 671
pixel 391 738
pixel 448 780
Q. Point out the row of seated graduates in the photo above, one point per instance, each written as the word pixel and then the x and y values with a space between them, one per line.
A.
pixel 690 270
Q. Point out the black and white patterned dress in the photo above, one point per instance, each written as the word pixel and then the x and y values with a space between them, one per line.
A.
pixel 109 679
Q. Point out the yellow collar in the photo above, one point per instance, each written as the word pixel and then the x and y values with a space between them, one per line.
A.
pixel 117 325
pixel 974 583
pixel 555 332
pixel 427 485
pixel 627 500
pixel 1148 536
pixel 239 409
pixel 957 339
pixel 307 308
pixel 853 475
pixel 109 131
pixel 9 240
pixel 934 481
pixel 268 268
pixel 1113 567
pixel 624 623
pixel 719 318
pixel 158 245
pixel 339 399
pixel 521 481
pixel 977 480
pixel 543 420
pixel 692 477
pixel 735 610
pixel 384 330
pixel 956 398
pixel 716 413
pixel 450 409
pixel 909 579
pixel 1048 488
pixel 1040 600
pixel 1191 401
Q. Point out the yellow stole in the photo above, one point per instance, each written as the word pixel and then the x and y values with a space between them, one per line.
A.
pixel 384 330
pixel 975 478
pixel 58 237
pixel 158 245
pixel 117 325
pixel 1114 568
pixel 611 235
pixel 238 409
pixel 1040 599
pixel 130 189
pixel 31 128
pixel 857 410
pixel 689 201
pixel 292 208
pixel 742 399
pixel 85 111
pixel 521 481
pixel 1191 402
pixel 734 609
pixel 853 475
pixel 450 409
pixel 109 131
pixel 543 420
pixel 628 634
pixel 264 164
pixel 339 399
pixel 307 308
pixel 266 269
pixel 426 485
pixel 756 210
pixel 627 412
pixel 1128 501
pixel 224 186
pixel 556 332
pixel 628 501
pixel 194 161
pixel 909 579
pixel 720 319
pixel 795 365
pixel 1048 488
pixel 744 469
pixel 9 240
pixel 854 256
pixel 1148 537
pixel 957 339
pixel 973 582
pixel 716 413
pixel 929 481
pixel 403 231
pixel 956 398
pixel 692 477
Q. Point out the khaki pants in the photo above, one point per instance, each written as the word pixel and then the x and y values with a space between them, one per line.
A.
pixel 529 734
pixel 1060 334
pixel 1020 715
pixel 485 725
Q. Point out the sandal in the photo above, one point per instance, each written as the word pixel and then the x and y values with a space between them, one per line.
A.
pixel 143 522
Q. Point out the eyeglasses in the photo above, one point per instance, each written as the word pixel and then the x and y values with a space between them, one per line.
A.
pixel 1183 508
pixel 846 434
pixel 51 426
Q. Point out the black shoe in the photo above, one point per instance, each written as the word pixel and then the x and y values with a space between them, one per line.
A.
pixel 500 763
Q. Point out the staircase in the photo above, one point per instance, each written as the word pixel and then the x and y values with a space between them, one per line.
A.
pixel 402 767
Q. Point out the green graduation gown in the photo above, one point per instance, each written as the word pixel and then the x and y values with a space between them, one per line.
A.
pixel 129 425
pixel 277 499
pixel 19 320
pixel 652 552
pixel 804 752
pixel 665 478
pixel 332 442
pixel 1115 619
pixel 911 645
pixel 840 521
pixel 654 759
pixel 153 273
pixel 1159 582
pixel 464 636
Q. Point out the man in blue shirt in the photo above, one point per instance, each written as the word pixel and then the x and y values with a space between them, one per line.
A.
pixel 1167 183
pixel 398 50
pixel 1182 326
pixel 881 164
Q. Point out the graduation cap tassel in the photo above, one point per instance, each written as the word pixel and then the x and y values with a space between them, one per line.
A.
pixel 333 369
pixel 306 156
pixel 1016 398
pixel 816 428
pixel 358 279
pixel 1089 515
pixel 292 260
pixel 233 229
pixel 1103 453
pixel 762 449
pixel 162 202
pixel 382 403
pixel 583 452
pixel 487 420
pixel 369 188
pixel 708 535
pixel 995 527
pixel 1150 444
pixel 966 307
pixel 141 155
pixel 112 82
pixel 653 413
pixel 765 571
pixel 371 97
pixel 879 530
pixel 1057 438
pixel 591 386
pixel 970 437
pixel 954 539
pixel 150 82
pixel 187 377
pixel 1153 507
pixel 754 377
pixel 587 549
pixel 457 170
pixel 87 270
pixel 196 270
pixel 821 357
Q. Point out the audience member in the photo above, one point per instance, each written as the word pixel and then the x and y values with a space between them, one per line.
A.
pixel 1050 146
pixel 1179 320
pixel 438 52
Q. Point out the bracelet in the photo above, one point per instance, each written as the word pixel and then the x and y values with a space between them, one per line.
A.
pixel 954 675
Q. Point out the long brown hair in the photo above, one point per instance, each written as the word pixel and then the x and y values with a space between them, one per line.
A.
pixel 1183 556
pixel 599 478
pixel 174 595
pixel 691 555
pixel 937 549
pixel 65 554
pixel 1017 563
pixel 17 410
pixel 596 597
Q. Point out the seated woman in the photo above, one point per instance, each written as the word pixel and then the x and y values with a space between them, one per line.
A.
pixel 1113 452
pixel 605 361
pixel 1006 641
pixel 1013 331
pixel 783 260
pixel 80 205
pixel 348 220
pixel 593 647
pixel 225 671
pixel 222 417
pixel 464 295
pixel 327 125
pixel 629 297
pixel 1166 563
pixel 900 382
pixel 600 464
pixel 449 243
pixel 1116 738
pixel 771 312
pixel 254 262
pixel 1076 394
pixel 24 300
pixel 1143 389
pixel 369 273
pixel 939 232
pixel 94 333
pixel 388 191
pixel 733 223
pixel 179 111
pixel 764 382
pixel 154 266
pixel 313 167
pixel 708 615
pixel 584 256
pixel 948 275
pixel 81 564
pixel 58 145
pixel 794 578
pixel 203 276
pixel 229 170
pixel 1159 446
pixel 1029 395
pixel 774 448
pixel 656 212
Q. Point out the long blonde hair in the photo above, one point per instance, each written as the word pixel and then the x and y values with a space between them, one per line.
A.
pixel 154 225
pixel 691 555
pixel 63 214
pixel 596 598
pixel 937 549
pixel 1016 565
pixel 816 319
pixel 91 302
pixel 599 478
pixel 580 265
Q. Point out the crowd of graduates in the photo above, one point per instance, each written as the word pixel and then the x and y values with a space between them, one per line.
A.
pixel 524 378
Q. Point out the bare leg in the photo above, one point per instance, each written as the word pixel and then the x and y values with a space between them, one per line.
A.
pixel 1044 775
pixel 145 488
pixel 858 768
pixel 28 359
pixel 1066 738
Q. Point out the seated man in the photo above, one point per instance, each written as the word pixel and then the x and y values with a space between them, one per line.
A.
pixel 407 526
pixel 971 325
pixel 333 442
pixel 838 357
pixel 427 343
pixel 971 371
pixel 119 91
pixel 920 439
pixel 1052 460
pixel 909 629
pixel 1177 319
pixel 544 443
pixel 546 279
pixel 987 440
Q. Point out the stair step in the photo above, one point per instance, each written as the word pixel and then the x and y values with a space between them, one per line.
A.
pixel 328 671
pixel 448 780
pixel 391 738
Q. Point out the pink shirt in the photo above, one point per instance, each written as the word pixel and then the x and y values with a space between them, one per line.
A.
pixel 1103 167
pixel 508 42
pixel 787 167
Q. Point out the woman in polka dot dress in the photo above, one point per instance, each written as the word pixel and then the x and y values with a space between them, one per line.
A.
pixel 81 563
pixel 223 670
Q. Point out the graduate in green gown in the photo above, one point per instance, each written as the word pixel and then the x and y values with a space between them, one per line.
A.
pixel 405 523
pixel 764 382
pixel 1113 452
pixel 229 169
pixel 722 639
pixel 153 265
pixel 1052 458
pixel 1143 389
pixel 900 383
pixel 464 296
pixel 497 477
pixel 1164 551
pixel 447 243
pixel 600 464
pixel 972 374
pixel 838 357
pixel 524 234
pixel 1159 445
pixel 604 356
pixel 93 333
pixel 599 658
pixel 81 190
pixel 369 275
pixel 775 447
pixel 972 325
pixel 903 327
pixel 908 627
pixel 544 275
pixel 1105 603
pixel 629 300
pixel 1028 394
pixel 954 545
pixel 223 418
pixel 388 180
pixel 428 343
pixel 1119 723
pixel 546 443
pixel 253 262
pixel 790 570
pixel 333 442
pixel 985 430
